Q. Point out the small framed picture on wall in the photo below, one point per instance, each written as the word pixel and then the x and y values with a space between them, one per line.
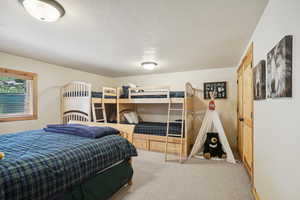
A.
pixel 259 81
pixel 220 89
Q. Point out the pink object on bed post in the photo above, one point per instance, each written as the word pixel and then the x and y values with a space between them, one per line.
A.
pixel 211 104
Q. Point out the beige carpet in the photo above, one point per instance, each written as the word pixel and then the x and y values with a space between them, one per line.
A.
pixel 195 180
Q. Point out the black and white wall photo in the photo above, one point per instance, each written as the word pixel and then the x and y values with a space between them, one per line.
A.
pixel 279 69
pixel 259 81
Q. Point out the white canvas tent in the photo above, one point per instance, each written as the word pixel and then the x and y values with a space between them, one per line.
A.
pixel 212 122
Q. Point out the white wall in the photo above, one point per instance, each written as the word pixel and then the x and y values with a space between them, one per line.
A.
pixel 177 81
pixel 276 121
pixel 50 79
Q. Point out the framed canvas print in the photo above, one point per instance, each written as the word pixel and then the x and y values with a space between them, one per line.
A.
pixel 259 81
pixel 220 89
pixel 279 69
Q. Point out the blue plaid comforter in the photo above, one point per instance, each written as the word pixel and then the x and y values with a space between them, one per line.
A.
pixel 38 165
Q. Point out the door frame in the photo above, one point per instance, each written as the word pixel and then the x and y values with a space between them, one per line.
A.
pixel 248 59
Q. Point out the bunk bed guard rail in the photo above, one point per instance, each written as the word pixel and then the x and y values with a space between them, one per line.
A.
pixel 142 91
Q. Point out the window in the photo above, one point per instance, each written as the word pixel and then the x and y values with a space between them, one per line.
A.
pixel 18 95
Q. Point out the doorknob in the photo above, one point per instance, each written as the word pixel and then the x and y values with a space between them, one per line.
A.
pixel 241 119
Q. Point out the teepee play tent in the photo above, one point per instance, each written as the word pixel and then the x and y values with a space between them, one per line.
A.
pixel 212 122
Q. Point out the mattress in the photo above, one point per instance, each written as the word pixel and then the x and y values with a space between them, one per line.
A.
pixel 157 128
pixel 100 94
pixel 173 94
pixel 39 164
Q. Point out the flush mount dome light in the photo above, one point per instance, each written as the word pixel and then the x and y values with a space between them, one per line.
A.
pixel 149 65
pixel 44 10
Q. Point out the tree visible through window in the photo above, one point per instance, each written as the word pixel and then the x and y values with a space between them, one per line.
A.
pixel 17 95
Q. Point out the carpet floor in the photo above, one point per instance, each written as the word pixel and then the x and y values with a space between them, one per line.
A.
pixel 155 179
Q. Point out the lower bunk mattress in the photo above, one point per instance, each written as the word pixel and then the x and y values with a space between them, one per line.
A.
pixel 40 165
pixel 157 128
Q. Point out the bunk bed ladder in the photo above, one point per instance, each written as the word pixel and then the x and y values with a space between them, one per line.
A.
pixel 168 134
pixel 96 108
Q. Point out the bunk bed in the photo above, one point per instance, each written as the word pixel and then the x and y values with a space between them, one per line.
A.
pixel 80 103
pixel 104 105
pixel 152 135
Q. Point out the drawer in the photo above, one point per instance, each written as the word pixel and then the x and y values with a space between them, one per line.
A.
pixel 140 144
pixel 160 147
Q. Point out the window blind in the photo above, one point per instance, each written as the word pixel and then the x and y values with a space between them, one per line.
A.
pixel 15 97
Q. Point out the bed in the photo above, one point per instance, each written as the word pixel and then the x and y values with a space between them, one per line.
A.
pixel 44 165
pixel 152 136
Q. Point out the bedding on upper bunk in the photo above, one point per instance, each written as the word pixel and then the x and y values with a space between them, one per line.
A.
pixel 100 95
pixel 157 128
pixel 38 164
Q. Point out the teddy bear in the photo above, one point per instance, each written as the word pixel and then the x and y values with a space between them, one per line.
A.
pixel 213 146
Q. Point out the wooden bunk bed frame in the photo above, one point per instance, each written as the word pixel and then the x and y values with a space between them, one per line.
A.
pixel 154 142
pixel 77 100
pixel 107 101
pixel 107 91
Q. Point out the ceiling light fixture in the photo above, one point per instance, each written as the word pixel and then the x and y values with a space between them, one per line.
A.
pixel 44 10
pixel 149 65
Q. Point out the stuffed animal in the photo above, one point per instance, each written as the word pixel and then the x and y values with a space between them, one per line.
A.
pixel 213 146
pixel 2 155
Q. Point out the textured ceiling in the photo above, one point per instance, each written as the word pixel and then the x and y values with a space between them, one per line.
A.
pixel 112 37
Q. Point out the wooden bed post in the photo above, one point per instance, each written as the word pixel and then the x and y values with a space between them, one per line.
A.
pixel 130 181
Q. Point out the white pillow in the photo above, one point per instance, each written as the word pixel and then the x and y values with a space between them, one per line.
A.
pixel 128 117
pixel 134 117
pixel 131 117
pixel 131 85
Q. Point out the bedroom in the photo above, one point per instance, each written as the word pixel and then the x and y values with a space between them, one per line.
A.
pixel 104 43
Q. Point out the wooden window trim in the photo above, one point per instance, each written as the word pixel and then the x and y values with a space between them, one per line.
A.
pixel 27 76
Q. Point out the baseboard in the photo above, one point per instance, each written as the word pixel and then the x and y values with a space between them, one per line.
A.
pixel 255 194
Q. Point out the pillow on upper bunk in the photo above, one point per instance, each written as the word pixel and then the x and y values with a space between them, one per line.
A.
pixel 132 85
pixel 131 117
pixel 134 117
pixel 82 130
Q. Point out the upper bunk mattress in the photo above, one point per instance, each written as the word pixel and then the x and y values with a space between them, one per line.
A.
pixel 38 164
pixel 100 95
pixel 173 94
pixel 157 128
